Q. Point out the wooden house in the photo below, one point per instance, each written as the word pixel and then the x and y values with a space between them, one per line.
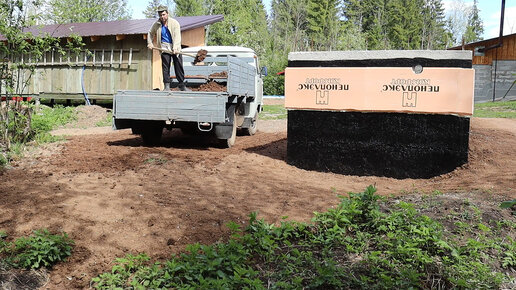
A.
pixel 494 62
pixel 118 60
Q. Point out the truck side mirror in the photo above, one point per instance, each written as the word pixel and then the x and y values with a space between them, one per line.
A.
pixel 263 71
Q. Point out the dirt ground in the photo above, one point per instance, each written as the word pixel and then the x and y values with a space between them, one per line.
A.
pixel 114 196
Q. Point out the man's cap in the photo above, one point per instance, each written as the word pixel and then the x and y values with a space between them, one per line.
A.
pixel 162 8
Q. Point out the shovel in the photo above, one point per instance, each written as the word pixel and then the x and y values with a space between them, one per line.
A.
pixel 199 57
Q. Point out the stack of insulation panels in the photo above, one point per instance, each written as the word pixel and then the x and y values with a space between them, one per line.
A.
pixel 401 114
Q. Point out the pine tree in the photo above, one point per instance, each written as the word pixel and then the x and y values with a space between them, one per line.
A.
pixel 322 24
pixel 475 27
pixel 371 19
pixel 190 7
pixel 288 25
pixel 405 24
pixel 433 33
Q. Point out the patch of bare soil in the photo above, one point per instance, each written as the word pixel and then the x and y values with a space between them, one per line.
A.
pixel 22 279
pixel 115 196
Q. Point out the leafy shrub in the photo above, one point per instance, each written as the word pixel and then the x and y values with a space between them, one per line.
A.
pixel 42 249
pixel 15 118
pixel 274 85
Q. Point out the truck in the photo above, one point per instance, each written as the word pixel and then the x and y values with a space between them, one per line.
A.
pixel 225 95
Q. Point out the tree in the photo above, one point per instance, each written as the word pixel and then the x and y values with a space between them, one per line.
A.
pixel 190 7
pixel 405 24
pixel 369 19
pixel 151 11
pixel 433 35
pixel 475 27
pixel 322 24
pixel 244 24
pixel 68 11
pixel 457 20
pixel 351 38
pixel 16 71
pixel 288 26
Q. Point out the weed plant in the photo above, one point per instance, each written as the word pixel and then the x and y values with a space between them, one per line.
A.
pixel 42 249
pixel 355 245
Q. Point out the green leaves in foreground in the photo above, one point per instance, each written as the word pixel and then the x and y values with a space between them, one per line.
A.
pixel 356 245
pixel 509 204
pixel 42 249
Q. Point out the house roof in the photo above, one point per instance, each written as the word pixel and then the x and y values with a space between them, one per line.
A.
pixel 478 43
pixel 118 27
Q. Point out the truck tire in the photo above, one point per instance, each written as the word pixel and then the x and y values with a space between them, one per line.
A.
pixel 136 130
pixel 254 126
pixel 151 134
pixel 228 143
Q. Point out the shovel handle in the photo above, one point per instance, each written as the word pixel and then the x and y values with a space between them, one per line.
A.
pixel 171 52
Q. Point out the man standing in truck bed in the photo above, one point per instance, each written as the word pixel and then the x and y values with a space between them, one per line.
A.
pixel 168 36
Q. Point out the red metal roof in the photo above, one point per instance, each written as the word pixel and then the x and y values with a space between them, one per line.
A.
pixel 119 27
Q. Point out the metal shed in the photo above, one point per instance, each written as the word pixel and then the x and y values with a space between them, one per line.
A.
pixel 120 59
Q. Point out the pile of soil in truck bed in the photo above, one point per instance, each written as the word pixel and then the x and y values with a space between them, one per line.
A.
pixel 207 87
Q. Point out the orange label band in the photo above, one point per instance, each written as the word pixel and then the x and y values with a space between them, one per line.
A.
pixel 378 89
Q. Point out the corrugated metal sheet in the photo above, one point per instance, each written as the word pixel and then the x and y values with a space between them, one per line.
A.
pixel 119 27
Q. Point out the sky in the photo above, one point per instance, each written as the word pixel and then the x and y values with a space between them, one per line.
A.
pixel 489 13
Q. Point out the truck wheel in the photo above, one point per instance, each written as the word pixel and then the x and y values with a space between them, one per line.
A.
pixel 228 143
pixel 151 134
pixel 136 130
pixel 254 126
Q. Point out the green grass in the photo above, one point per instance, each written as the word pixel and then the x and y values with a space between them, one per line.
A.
pixel 106 122
pixel 273 112
pixel 48 119
pixel 496 110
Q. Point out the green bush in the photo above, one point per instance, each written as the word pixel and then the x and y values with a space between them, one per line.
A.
pixel 274 85
pixel 356 245
pixel 42 249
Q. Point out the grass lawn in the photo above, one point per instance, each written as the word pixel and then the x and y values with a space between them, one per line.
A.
pixel 495 110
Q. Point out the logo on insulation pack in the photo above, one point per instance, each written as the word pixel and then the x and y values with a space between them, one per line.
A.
pixel 322 97
pixel 322 88
pixel 410 89
pixel 409 100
